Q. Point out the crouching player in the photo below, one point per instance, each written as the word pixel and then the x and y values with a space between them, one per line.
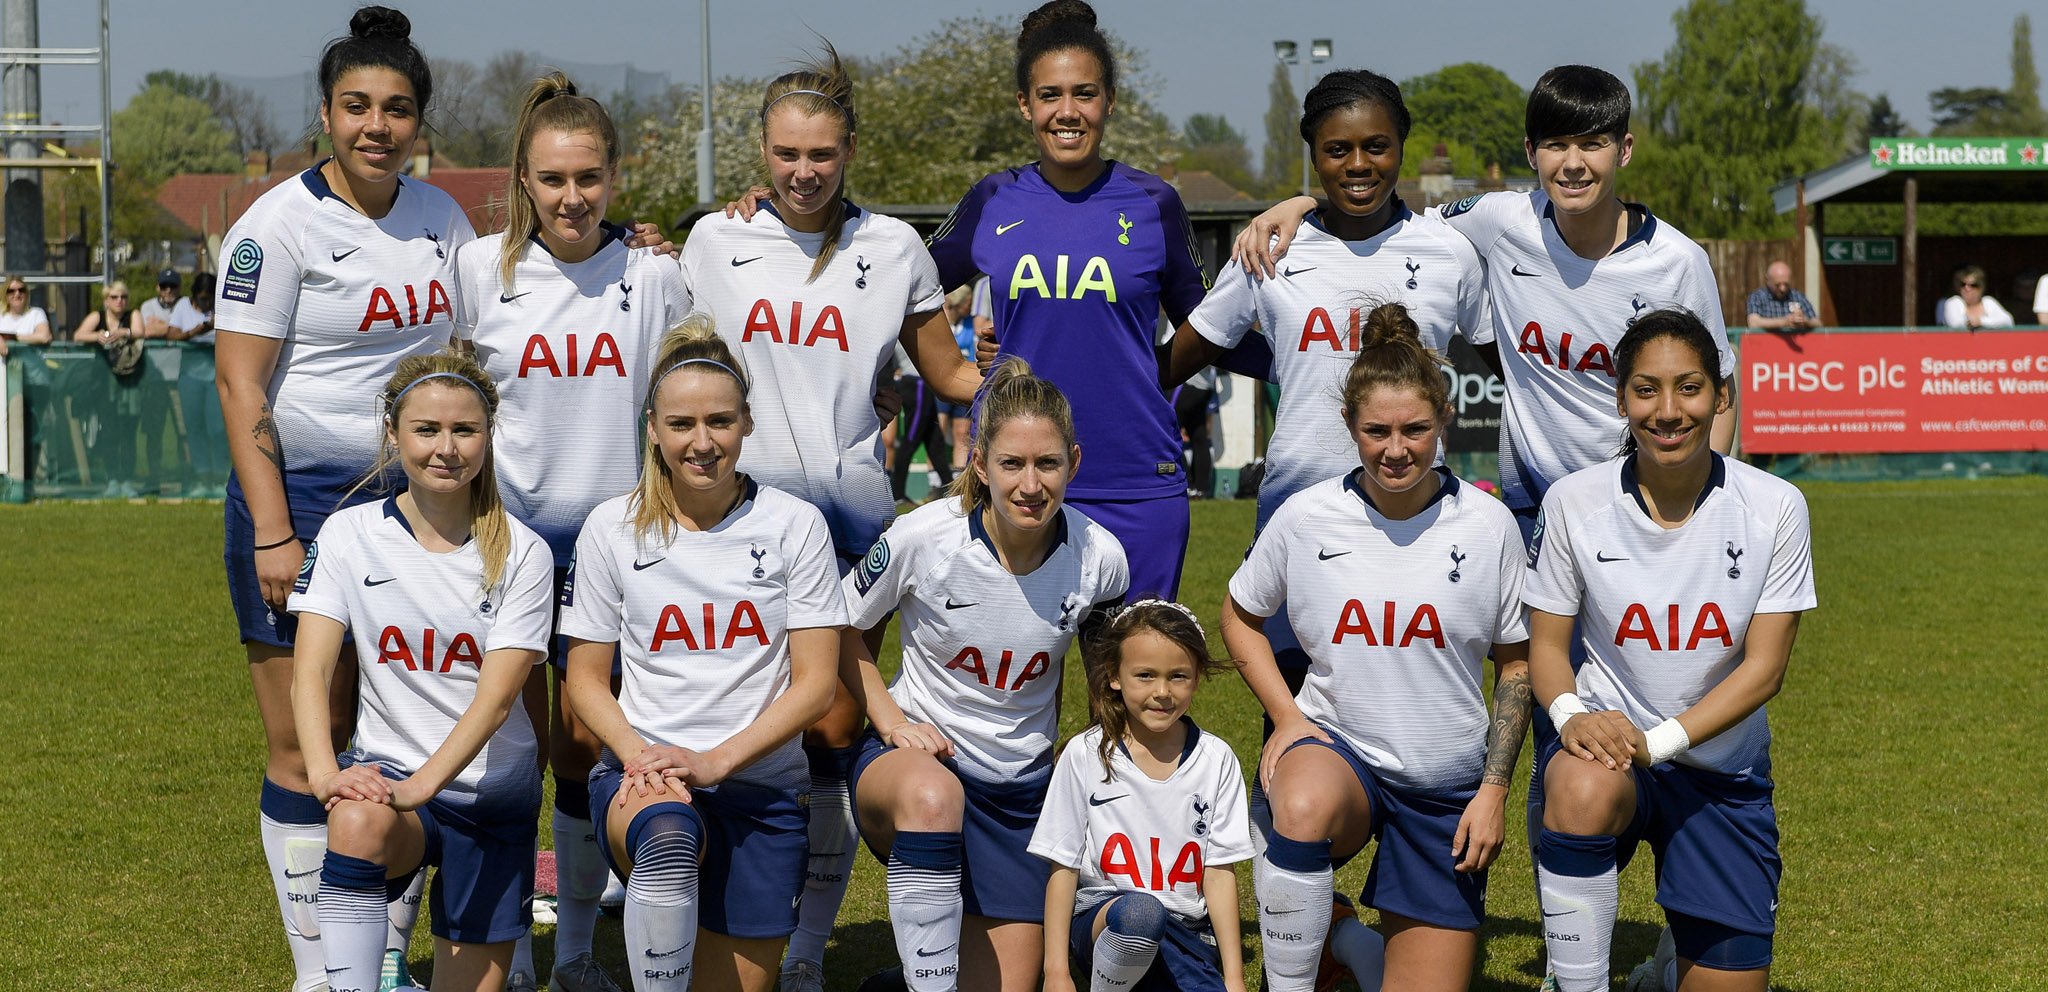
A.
pixel 449 597
pixel 1687 572
pixel 1144 818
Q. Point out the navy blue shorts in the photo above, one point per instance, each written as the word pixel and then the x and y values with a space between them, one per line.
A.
pixel 256 620
pixel 1154 534
pixel 1187 959
pixel 998 878
pixel 751 865
pixel 484 856
pixel 1715 838
pixel 1413 872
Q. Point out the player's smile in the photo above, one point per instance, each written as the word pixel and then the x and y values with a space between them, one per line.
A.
pixel 570 181
pixel 1578 172
pixel 806 159
pixel 1357 157
pixel 1026 469
pixel 1067 105
pixel 1670 403
pixel 699 420
pixel 372 118
pixel 441 436
pixel 1396 432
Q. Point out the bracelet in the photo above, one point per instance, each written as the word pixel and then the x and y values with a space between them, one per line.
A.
pixel 274 545
pixel 1666 741
pixel 1564 707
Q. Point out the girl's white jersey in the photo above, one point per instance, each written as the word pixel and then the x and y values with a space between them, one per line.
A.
pixel 702 619
pixel 1135 833
pixel 1557 318
pixel 815 350
pixel 569 345
pixel 983 649
pixel 1664 613
pixel 423 623
pixel 1397 617
pixel 1313 313
pixel 348 297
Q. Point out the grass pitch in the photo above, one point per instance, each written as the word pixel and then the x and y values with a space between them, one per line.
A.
pixel 1911 780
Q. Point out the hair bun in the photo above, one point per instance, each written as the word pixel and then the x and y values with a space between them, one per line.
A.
pixel 381 24
pixel 1388 323
pixel 1054 12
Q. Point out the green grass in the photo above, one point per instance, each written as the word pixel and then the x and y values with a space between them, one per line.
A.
pixel 1911 779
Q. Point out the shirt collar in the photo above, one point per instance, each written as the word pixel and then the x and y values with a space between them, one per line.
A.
pixel 1448 487
pixel 1717 476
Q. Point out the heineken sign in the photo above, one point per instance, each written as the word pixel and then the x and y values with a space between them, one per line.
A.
pixel 1959 154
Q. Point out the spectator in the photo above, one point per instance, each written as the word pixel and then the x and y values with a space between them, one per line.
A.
pixel 205 434
pixel 21 322
pixel 1776 306
pixel 118 331
pixel 160 374
pixel 2041 300
pixel 1972 307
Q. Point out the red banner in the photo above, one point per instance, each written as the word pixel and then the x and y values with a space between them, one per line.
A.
pixel 1825 392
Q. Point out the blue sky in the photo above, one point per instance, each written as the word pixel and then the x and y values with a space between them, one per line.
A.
pixel 1206 55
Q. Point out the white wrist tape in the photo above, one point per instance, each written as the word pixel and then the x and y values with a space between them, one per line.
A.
pixel 1666 741
pixel 1564 707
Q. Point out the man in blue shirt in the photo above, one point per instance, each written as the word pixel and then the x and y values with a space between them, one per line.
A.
pixel 1778 307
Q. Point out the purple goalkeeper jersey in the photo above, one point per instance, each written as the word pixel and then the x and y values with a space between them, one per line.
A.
pixel 1077 281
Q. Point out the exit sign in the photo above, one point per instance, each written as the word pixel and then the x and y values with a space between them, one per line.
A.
pixel 1860 251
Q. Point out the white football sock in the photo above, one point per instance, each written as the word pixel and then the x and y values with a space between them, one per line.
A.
pixel 661 903
pixel 354 915
pixel 834 844
pixel 293 852
pixel 1580 893
pixel 925 908
pixel 579 881
pixel 1294 910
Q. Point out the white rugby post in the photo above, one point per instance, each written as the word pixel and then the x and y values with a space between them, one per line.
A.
pixel 704 172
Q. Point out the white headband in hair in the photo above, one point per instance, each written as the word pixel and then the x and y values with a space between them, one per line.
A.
pixel 1130 610
pixel 791 93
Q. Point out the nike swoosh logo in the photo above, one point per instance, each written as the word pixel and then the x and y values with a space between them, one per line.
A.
pixel 1561 912
pixel 1326 556
pixel 502 298
pixel 738 261
pixel 933 954
pixel 667 954
pixel 641 566
pixel 1000 228
pixel 1291 273
pixel 378 582
pixel 288 873
pixel 339 255
pixel 1092 801
pixel 956 606
pixel 1517 269
pixel 1602 556
pixel 1263 911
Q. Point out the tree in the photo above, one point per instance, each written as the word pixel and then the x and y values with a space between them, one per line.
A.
pixel 1969 110
pixel 1883 121
pixel 1215 146
pixel 162 132
pixel 1474 105
pixel 1281 164
pixel 245 115
pixel 475 109
pixel 2024 98
pixel 1724 118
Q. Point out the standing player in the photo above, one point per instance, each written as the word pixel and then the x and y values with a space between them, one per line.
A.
pixel 1402 579
pixel 443 771
pixel 1082 254
pixel 728 622
pixel 332 279
pixel 1365 248
pixel 1687 573
pixel 992 585
pixel 567 316
pixel 1137 884
pixel 816 293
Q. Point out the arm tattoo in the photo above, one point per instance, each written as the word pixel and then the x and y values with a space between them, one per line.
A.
pixel 1512 704
pixel 265 433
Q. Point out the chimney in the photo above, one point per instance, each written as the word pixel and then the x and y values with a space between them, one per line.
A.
pixel 422 157
pixel 256 165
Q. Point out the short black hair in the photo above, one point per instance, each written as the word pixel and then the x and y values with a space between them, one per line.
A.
pixel 1345 87
pixel 1571 100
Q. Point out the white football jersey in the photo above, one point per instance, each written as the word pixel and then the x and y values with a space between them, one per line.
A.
pixel 702 620
pixel 422 624
pixel 1313 314
pixel 1397 617
pixel 1663 613
pixel 815 350
pixel 1135 833
pixel 570 345
pixel 348 297
pixel 983 649
pixel 1557 318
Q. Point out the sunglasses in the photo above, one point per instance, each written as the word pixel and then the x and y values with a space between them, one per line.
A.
pixel 1971 285
pixel 17 290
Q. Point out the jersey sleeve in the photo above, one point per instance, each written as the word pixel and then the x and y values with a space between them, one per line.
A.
pixel 259 292
pixel 1231 309
pixel 1061 836
pixel 466 285
pixel 1474 320
pixel 813 592
pixel 1511 625
pixel 592 603
pixel 926 294
pixel 1482 217
pixel 322 585
pixel 675 293
pixel 1113 575
pixel 883 578
pixel 1260 584
pixel 1553 584
pixel 526 615
pixel 1788 587
pixel 952 245
pixel 1703 298
pixel 1230 831
pixel 696 248
pixel 1185 280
